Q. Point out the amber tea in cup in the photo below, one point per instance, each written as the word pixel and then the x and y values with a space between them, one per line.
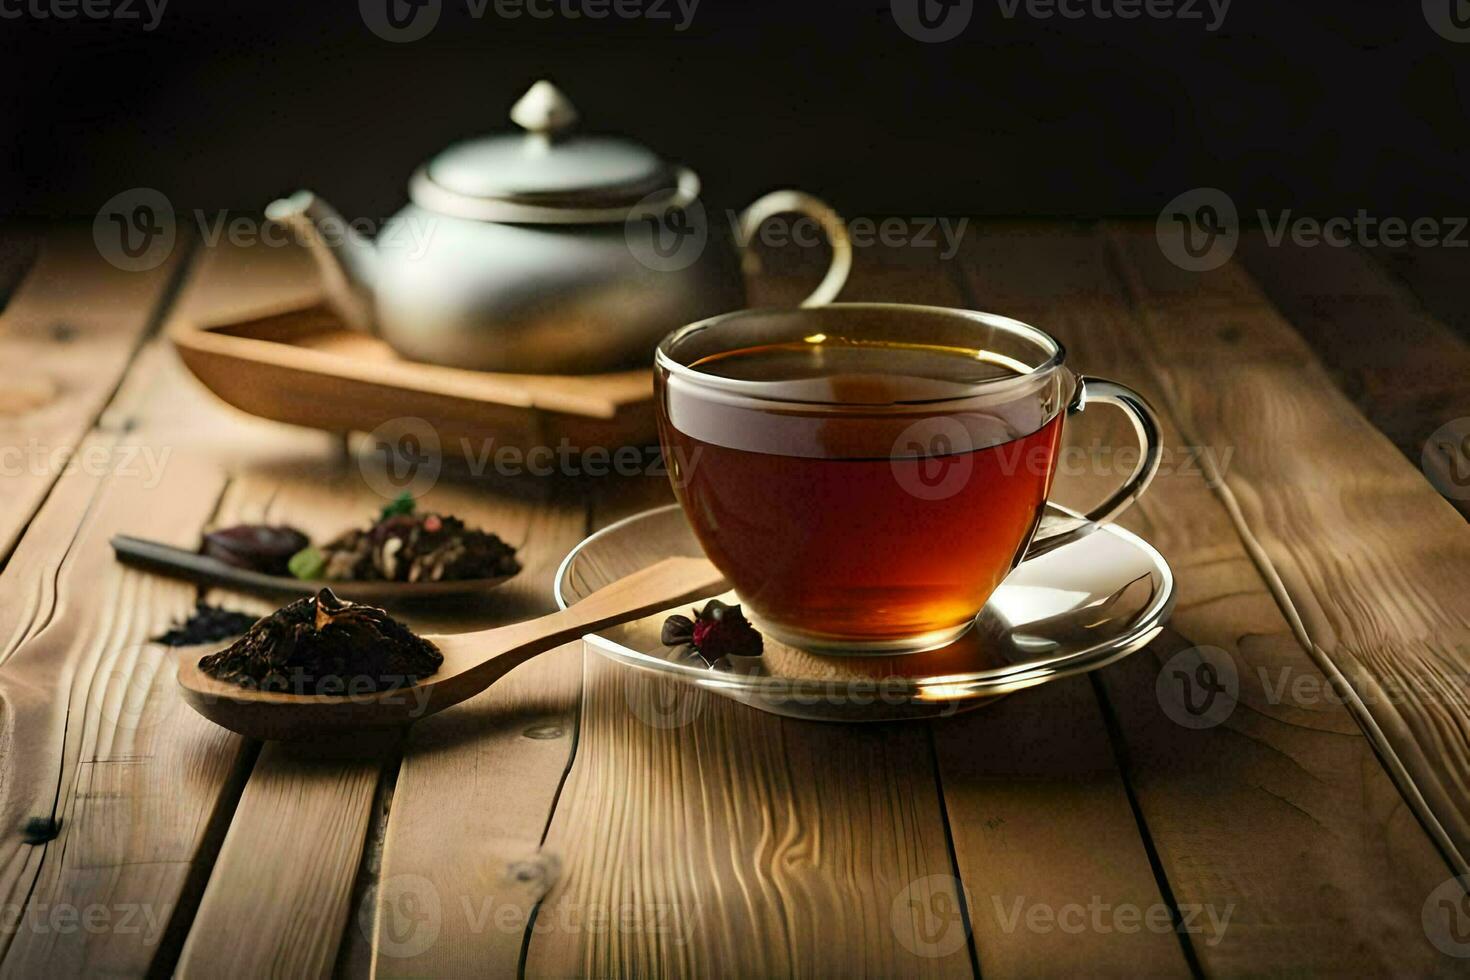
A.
pixel 866 475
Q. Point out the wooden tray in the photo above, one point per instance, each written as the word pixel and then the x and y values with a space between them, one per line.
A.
pixel 304 366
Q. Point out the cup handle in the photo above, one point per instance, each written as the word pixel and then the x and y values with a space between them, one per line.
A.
pixel 1055 531
pixel 831 223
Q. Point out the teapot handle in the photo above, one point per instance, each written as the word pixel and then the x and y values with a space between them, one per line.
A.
pixel 831 223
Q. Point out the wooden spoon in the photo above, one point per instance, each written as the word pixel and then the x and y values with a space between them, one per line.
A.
pixel 472 662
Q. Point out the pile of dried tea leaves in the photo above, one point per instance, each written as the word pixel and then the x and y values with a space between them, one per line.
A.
pixel 400 545
pixel 324 645
pixel 206 625
pixel 416 548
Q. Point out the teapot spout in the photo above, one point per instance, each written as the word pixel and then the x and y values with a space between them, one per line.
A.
pixel 346 260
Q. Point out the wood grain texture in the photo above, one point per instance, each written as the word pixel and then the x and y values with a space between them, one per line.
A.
pixel 90 727
pixel 70 299
pixel 722 854
pixel 478 782
pixel 291 857
pixel 1399 364
pixel 1038 812
pixel 319 798
pixel 695 835
pixel 698 837
pixel 143 787
pixel 1436 276
pixel 1369 564
pixel 1046 841
pixel 295 842
pixel 1287 789
pixel 305 367
pixel 279 897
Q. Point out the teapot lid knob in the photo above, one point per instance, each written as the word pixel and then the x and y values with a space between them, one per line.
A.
pixel 544 111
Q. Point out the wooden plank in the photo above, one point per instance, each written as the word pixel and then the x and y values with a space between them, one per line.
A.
pixel 292 858
pixel 801 868
pixel 355 952
pixel 90 727
pixel 499 758
pixel 1058 877
pixel 303 795
pixel 469 941
pixel 725 839
pixel 1367 561
pixel 300 824
pixel 1031 788
pixel 1400 365
pixel 1320 504
pixel 1283 791
pixel 70 300
pixel 1436 276
pixel 288 863
pixel 294 846
pixel 289 791
pixel 697 837
pixel 142 786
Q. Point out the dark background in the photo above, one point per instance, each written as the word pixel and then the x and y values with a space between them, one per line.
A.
pixel 1322 107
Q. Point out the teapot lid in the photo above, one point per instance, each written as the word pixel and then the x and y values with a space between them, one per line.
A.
pixel 546 173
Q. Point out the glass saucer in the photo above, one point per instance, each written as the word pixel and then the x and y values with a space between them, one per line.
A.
pixel 1074 609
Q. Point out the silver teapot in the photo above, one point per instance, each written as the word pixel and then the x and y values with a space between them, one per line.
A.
pixel 544 251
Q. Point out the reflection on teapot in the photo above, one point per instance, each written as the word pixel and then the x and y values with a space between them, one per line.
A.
pixel 544 251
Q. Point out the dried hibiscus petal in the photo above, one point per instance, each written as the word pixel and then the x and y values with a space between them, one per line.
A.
pixel 718 630
pixel 255 547
pixel 677 631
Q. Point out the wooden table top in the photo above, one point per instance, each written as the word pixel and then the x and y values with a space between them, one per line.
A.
pixel 543 828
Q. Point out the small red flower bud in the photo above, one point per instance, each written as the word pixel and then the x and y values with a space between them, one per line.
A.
pixel 717 631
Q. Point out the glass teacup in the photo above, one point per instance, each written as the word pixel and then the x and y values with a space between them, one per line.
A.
pixel 866 474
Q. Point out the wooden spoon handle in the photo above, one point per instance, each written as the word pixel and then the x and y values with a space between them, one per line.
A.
pixel 484 657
